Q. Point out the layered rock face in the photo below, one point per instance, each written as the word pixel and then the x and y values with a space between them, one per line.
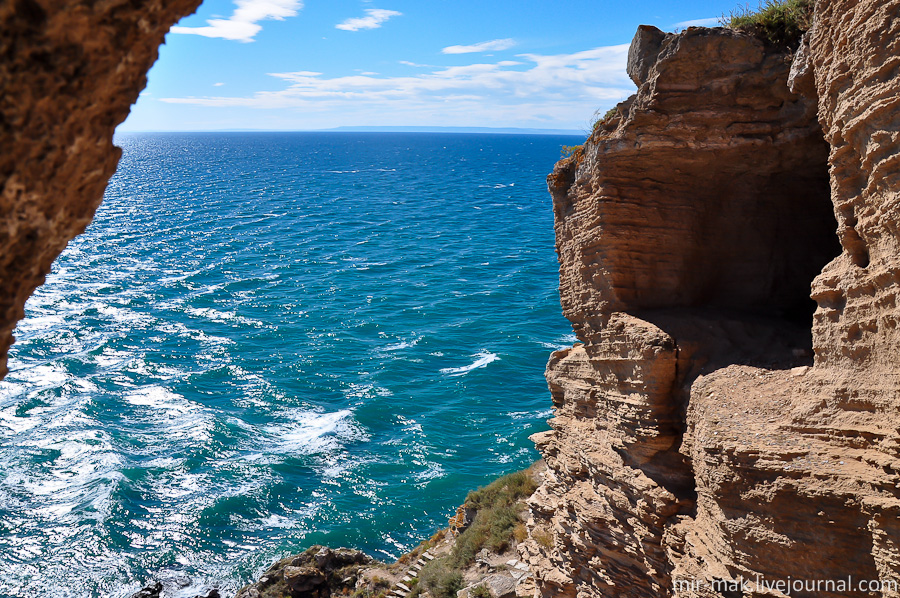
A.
pixel 319 572
pixel 703 436
pixel 69 72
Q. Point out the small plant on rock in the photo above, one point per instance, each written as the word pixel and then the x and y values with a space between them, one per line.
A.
pixel 778 22
pixel 480 592
pixel 570 150
pixel 601 120
pixel 441 579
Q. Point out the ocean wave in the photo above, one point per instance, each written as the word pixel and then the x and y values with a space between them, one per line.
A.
pixel 311 433
pixel 174 417
pixel 221 316
pixel 484 358
pixel 564 342
pixel 433 471
pixel 401 345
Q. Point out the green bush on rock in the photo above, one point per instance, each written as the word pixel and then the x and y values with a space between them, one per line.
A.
pixel 779 22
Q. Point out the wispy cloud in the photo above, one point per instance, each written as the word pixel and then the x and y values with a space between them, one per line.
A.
pixel 710 22
pixel 532 90
pixel 243 25
pixel 493 45
pixel 414 64
pixel 373 20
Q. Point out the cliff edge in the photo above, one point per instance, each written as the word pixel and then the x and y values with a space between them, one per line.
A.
pixel 716 432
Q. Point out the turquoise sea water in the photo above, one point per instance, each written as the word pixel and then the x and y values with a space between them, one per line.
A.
pixel 266 341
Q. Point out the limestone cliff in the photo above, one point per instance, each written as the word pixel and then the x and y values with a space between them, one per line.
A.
pixel 702 434
pixel 69 72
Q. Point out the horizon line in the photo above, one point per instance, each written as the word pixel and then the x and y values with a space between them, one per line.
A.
pixel 375 129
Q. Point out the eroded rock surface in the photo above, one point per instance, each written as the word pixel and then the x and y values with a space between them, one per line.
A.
pixel 319 572
pixel 69 72
pixel 702 435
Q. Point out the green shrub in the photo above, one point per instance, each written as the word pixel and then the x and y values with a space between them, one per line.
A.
pixel 441 578
pixel 778 22
pixel 543 538
pixel 480 592
pixel 600 120
pixel 497 508
pixel 505 491
pixel 569 150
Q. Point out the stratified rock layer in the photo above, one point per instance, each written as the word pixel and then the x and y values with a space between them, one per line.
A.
pixel 319 572
pixel 69 72
pixel 696 442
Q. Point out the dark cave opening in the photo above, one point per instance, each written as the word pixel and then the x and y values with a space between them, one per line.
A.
pixel 751 230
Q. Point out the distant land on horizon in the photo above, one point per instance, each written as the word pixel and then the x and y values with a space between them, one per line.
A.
pixel 389 129
pixel 499 130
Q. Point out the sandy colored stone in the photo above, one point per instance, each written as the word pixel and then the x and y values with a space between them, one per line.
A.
pixel 701 433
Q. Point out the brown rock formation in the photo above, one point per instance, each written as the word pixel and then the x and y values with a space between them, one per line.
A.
pixel 693 446
pixel 69 72
pixel 319 572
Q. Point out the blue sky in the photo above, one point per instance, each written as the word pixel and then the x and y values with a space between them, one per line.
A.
pixel 318 64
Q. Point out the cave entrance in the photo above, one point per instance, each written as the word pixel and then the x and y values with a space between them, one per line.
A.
pixel 741 245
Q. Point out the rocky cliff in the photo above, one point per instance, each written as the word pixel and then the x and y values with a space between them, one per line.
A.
pixel 69 72
pixel 714 425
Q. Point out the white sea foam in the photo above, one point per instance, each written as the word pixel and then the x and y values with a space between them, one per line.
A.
pixel 221 316
pixel 433 471
pixel 177 276
pixel 175 416
pixel 279 521
pixel 554 346
pixel 162 399
pixel 311 432
pixel 484 358
pixel 401 345
pixel 17 424
pixel 43 376
pixel 564 342
pixel 36 324
pixel 112 357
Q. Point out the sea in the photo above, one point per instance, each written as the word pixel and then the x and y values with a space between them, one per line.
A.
pixel 266 341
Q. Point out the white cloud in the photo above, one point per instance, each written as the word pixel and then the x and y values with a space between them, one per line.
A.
pixel 243 24
pixel 536 90
pixel 415 64
pixel 710 22
pixel 373 20
pixel 218 84
pixel 493 45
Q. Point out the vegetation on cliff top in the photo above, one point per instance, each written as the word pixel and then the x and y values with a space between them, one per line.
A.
pixel 497 507
pixel 779 22
pixel 496 526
